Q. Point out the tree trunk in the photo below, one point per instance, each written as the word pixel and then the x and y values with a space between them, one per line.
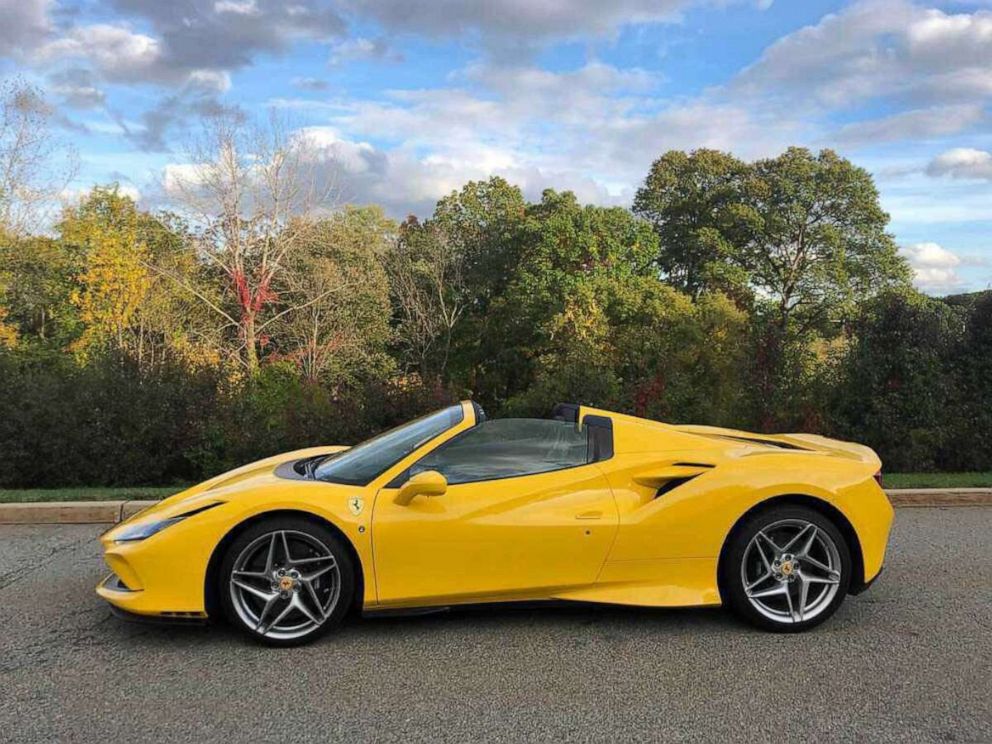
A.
pixel 251 348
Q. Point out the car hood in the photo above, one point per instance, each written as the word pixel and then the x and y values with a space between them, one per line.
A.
pixel 227 486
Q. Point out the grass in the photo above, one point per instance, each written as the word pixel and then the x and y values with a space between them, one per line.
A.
pixel 142 493
pixel 151 493
pixel 937 480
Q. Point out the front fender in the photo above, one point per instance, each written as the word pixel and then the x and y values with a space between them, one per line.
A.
pixel 168 570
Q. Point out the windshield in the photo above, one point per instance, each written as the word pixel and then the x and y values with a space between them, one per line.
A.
pixel 363 462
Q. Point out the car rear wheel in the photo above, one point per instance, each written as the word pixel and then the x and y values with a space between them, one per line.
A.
pixel 286 581
pixel 787 569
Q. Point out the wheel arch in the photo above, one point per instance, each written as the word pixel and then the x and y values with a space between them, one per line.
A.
pixel 825 508
pixel 211 595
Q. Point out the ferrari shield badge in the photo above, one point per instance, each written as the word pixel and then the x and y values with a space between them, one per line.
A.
pixel 356 505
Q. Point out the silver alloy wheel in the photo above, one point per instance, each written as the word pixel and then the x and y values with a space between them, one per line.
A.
pixel 791 571
pixel 285 584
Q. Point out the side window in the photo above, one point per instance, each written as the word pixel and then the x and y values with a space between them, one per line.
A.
pixel 508 447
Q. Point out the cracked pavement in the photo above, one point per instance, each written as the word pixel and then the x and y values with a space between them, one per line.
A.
pixel 910 660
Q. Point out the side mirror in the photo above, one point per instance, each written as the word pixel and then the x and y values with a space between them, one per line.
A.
pixel 427 483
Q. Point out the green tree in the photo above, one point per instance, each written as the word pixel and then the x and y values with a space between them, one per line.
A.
pixel 805 231
pixel 448 272
pixel 818 237
pixel 696 203
pixel 575 260
pixel 970 444
pixel 897 383
pixel 40 281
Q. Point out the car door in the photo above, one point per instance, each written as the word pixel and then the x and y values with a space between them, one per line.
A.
pixel 525 513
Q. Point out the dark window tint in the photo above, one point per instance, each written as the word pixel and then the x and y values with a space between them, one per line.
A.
pixel 363 462
pixel 507 447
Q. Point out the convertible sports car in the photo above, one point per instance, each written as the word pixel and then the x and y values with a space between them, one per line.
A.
pixel 586 505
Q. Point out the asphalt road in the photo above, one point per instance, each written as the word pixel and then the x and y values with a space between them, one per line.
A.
pixel 911 660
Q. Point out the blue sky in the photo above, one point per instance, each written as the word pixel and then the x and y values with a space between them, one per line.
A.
pixel 411 98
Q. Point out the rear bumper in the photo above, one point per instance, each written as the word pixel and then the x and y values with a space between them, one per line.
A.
pixel 865 585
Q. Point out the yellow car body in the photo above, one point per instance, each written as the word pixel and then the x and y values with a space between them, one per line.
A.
pixel 644 524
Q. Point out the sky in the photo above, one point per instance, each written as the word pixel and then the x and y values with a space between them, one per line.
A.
pixel 412 98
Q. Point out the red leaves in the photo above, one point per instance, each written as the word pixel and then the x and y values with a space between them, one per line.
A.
pixel 251 299
pixel 650 392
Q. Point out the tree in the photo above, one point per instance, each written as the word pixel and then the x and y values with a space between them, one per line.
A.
pixel 818 241
pixel 253 191
pixel 113 281
pixel 897 382
pixel 471 243
pixel 696 204
pixel 40 279
pixel 107 245
pixel 342 334
pixel 805 231
pixel 8 333
pixel 34 164
pixel 575 260
pixel 427 273
pixel 969 447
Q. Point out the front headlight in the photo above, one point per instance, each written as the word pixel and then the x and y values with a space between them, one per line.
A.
pixel 143 531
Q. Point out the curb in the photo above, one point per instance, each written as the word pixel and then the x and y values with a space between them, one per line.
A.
pixel 112 512
pixel 917 497
pixel 71 512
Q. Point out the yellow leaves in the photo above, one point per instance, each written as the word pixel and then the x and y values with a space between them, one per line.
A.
pixel 196 356
pixel 581 321
pixel 824 351
pixel 113 282
pixel 111 289
pixel 8 334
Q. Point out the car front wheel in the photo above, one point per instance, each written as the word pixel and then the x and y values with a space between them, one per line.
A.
pixel 286 581
pixel 787 569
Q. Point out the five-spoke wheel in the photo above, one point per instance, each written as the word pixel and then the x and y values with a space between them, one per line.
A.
pixel 286 581
pixel 787 568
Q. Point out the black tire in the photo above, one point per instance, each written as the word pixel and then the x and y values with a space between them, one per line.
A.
pixel 732 570
pixel 334 589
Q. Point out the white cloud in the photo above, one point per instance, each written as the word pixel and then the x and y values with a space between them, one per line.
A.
pixel 935 267
pixel 227 34
pixel 211 81
pixel 77 88
pixel 73 195
pixel 917 124
pixel 177 177
pixel 878 48
pixel 962 162
pixel 309 83
pixel 594 129
pixel 516 20
pixel 942 40
pixel 118 53
pixel 360 49
pixel 25 24
pixel 238 7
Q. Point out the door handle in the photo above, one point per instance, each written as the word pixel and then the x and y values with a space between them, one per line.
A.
pixel 590 515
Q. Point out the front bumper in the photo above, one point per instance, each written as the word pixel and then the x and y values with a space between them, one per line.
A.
pixel 130 604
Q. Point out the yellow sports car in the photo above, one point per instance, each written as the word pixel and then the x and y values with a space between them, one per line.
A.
pixel 586 505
